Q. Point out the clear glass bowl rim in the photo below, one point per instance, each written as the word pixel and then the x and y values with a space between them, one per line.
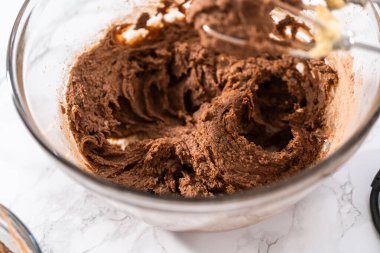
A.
pixel 137 198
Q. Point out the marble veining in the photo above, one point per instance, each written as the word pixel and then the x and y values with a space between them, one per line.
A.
pixel 65 217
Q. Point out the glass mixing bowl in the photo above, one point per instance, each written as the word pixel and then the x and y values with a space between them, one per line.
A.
pixel 49 34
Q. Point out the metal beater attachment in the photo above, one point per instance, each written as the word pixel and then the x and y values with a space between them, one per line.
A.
pixel 326 35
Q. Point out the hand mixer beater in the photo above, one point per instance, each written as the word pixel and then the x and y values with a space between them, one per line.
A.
pixel 300 30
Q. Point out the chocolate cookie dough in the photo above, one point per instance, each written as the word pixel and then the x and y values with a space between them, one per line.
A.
pixel 3 248
pixel 167 115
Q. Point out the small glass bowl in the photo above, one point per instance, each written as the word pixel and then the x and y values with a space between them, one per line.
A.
pixel 15 235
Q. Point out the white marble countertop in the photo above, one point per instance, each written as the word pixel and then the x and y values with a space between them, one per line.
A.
pixel 65 217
